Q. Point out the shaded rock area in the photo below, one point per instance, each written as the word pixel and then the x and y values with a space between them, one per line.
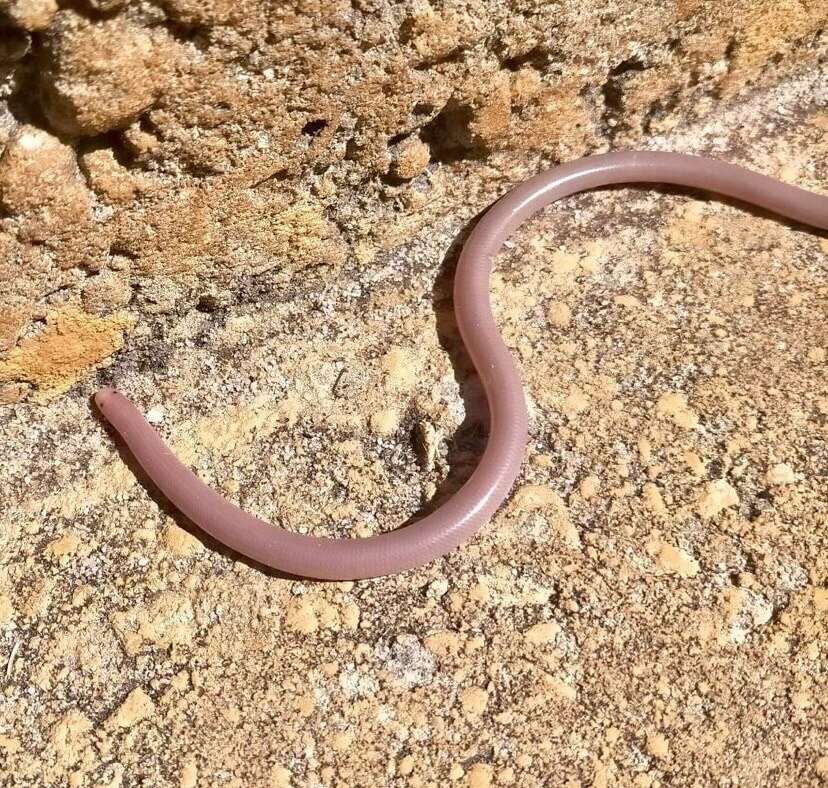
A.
pixel 178 145
pixel 245 215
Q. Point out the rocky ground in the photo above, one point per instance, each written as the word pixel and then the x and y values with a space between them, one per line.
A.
pixel 245 216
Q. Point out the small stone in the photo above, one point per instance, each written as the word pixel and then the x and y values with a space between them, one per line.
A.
pixel 38 171
pixel 181 542
pixel 280 777
pixel 64 546
pixel 780 474
pixel 821 767
pixel 69 736
pixel 673 406
pixel 627 301
pixel 589 487
pixel 443 644
pixel 13 392
pixel 409 158
pixel 562 689
pixel 575 402
pixel 559 314
pixel 301 617
pixel 653 500
pixel 189 775
pixel 139 142
pixel 676 561
pixel 717 496
pixel 107 177
pixel 526 84
pixel 537 497
pixel 385 422
pixel 474 701
pixel 426 442
pixel 400 369
pixel 406 766
pixel 438 588
pixel 540 634
pixel 479 776
pixel 137 707
pixel 101 75
pixel 6 610
pixel 657 745
pixel 821 599
pixel 506 776
pixel 106 292
pixel 31 15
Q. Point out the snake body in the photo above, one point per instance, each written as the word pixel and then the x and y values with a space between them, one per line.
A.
pixel 477 500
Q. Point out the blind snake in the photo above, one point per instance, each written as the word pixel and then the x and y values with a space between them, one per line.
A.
pixel 477 500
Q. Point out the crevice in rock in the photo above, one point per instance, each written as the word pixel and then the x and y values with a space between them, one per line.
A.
pixel 314 127
pixel 659 109
pixel 612 90
pixel 449 134
pixel 423 108
pixel 23 103
pixel 90 12
pixel 537 57
pixel 279 175
pixel 109 140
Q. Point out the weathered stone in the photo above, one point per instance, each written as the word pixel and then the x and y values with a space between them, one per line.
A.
pixel 101 75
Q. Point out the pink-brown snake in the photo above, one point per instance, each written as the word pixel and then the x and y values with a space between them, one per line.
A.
pixel 477 500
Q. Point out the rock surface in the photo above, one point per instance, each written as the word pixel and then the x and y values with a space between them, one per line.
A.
pixel 245 215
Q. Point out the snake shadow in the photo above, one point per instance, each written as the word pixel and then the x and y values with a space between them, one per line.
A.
pixel 466 444
pixel 169 509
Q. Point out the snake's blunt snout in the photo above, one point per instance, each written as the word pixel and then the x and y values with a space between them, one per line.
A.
pixel 104 396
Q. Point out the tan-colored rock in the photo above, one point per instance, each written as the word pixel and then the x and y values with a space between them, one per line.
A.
pixel 31 15
pixel 474 701
pixel 107 292
pixel 71 343
pixel 14 313
pixel 409 158
pixel 101 75
pixel 6 609
pixel 181 542
pixel 717 496
pixel 653 499
pixel 385 422
pixel 107 177
pixel 677 561
pixel 780 475
pixel 69 737
pixel 657 745
pixel 542 633
pixel 38 171
pixel 673 406
pixel 137 707
pixel 189 775
pixel 560 314
pixel 206 12
pixel 480 776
